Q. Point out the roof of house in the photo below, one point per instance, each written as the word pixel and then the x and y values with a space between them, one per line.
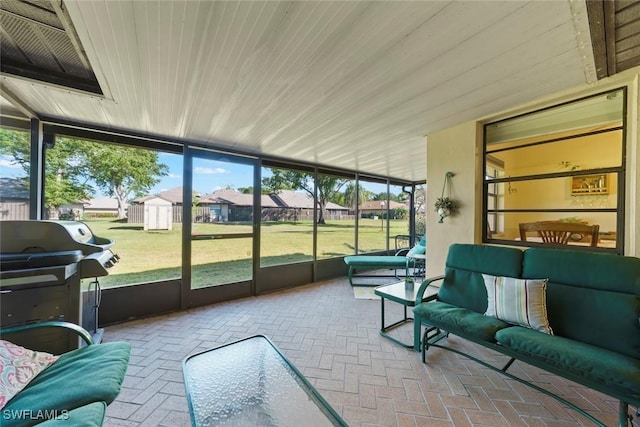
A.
pixel 298 199
pixel 174 195
pixel 13 189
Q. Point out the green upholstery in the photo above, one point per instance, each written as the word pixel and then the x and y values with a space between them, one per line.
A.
pixel 603 291
pixel 463 284
pixel 589 363
pixel 376 261
pixel 593 306
pixel 459 321
pixel 80 377
pixel 91 415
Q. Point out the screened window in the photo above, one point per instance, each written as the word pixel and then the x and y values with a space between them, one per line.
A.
pixel 130 195
pixel 286 219
pixel 336 227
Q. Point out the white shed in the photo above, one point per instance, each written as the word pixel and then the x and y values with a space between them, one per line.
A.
pixel 158 214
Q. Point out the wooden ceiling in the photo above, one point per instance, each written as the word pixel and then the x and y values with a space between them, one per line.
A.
pixel 343 84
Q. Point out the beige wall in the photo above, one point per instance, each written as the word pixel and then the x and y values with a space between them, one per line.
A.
pixel 459 150
pixel 452 150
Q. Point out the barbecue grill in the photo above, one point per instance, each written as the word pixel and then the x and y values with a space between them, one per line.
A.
pixel 42 264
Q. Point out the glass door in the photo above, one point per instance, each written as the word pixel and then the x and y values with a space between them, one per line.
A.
pixel 220 221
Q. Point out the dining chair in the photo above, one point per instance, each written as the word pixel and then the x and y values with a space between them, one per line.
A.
pixel 560 233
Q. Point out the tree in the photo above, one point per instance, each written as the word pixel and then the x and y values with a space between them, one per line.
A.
pixel 354 195
pixel 66 179
pixel 124 171
pixel 328 186
pixel 72 165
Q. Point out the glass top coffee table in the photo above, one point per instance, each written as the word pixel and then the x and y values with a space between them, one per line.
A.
pixel 251 383
pixel 403 294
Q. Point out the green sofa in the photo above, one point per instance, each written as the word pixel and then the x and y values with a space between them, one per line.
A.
pixel 73 391
pixel 592 305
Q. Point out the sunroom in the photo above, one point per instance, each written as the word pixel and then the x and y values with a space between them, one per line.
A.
pixel 280 137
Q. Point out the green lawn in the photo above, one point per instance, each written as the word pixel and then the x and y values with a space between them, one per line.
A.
pixel 157 255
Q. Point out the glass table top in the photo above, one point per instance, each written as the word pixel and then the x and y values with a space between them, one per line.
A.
pixel 251 383
pixel 403 294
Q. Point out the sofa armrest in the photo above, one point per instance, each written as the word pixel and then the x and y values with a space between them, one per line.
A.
pixel 423 288
pixel 78 330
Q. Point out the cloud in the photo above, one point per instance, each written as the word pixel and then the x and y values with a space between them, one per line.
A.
pixel 209 171
pixel 174 176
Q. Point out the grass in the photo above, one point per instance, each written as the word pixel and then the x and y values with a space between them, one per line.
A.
pixel 147 256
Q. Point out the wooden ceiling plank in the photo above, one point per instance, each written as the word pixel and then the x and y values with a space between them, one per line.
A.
pixel 610 35
pixel 595 11
pixel 628 14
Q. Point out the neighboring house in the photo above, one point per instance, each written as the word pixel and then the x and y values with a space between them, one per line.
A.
pixel 14 199
pixel 379 208
pixel 102 206
pixel 303 202
pixel 232 205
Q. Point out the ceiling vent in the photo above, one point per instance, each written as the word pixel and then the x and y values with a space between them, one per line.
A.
pixel 39 43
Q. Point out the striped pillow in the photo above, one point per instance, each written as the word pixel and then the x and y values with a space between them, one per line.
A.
pixel 519 301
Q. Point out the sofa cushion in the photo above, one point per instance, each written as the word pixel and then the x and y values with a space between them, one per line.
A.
pixel 77 378
pixel 602 290
pixel 18 367
pixel 518 301
pixel 459 321
pixel 582 360
pixel 463 285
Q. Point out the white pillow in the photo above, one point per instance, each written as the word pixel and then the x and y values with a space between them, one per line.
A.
pixel 518 301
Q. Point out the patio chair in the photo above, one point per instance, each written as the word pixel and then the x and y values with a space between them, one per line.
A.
pixel 404 259
pixel 560 233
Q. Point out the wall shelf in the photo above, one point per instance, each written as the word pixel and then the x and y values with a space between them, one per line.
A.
pixel 589 185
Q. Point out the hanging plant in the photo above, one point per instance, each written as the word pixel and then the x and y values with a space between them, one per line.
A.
pixel 445 203
pixel 445 206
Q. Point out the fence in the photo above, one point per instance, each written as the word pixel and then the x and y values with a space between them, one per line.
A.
pixel 14 210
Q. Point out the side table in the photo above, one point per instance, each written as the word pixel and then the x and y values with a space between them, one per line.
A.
pixel 402 294
pixel 251 383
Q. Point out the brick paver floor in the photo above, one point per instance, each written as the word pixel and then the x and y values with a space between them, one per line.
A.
pixel 333 339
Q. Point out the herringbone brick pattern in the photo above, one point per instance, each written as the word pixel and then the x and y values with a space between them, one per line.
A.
pixel 333 339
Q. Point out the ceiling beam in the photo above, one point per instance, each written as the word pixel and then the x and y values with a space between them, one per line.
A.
pixel 17 102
